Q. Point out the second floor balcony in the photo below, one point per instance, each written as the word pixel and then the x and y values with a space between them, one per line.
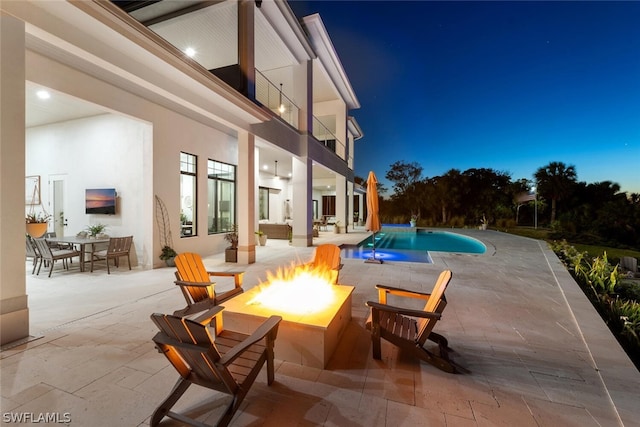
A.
pixel 210 35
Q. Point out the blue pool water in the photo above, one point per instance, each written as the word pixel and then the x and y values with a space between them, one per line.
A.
pixel 413 246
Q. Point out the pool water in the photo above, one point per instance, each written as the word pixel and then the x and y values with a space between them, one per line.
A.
pixel 413 246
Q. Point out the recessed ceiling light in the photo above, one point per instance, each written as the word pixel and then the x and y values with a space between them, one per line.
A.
pixel 43 94
pixel 191 52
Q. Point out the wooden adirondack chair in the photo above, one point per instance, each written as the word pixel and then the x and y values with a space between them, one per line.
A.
pixel 409 329
pixel 228 363
pixel 327 256
pixel 196 286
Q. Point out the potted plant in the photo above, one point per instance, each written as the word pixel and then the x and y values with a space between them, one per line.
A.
pixel 37 224
pixel 96 229
pixel 164 229
pixel 168 255
pixel 336 227
pixel 413 220
pixel 262 238
pixel 483 223
pixel 231 252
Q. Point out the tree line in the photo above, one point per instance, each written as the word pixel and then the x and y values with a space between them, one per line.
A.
pixel 596 213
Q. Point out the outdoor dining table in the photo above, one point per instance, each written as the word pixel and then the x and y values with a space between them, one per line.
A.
pixel 82 242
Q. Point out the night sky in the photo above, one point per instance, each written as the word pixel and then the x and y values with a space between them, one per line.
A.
pixel 510 86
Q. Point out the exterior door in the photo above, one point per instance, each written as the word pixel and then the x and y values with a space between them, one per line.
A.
pixel 57 184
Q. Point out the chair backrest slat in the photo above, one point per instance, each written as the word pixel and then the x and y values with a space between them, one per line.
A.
pixel 31 250
pixel 327 255
pixel 191 269
pixel 43 248
pixel 435 304
pixel 120 244
pixel 200 360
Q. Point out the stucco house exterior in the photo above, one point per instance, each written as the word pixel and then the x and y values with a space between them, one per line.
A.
pixel 225 113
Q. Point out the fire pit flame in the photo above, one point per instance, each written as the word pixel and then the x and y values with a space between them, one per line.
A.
pixel 300 289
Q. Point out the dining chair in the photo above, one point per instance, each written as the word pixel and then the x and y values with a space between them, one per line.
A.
pixel 118 247
pixel 56 245
pixel 50 256
pixel 32 252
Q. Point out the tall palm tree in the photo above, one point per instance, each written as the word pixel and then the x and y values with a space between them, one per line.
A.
pixel 555 181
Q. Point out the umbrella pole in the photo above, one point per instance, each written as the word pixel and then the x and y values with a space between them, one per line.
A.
pixel 373 259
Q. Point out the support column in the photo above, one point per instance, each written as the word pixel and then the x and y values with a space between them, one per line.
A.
pixel 350 210
pixel 302 204
pixel 341 202
pixel 303 90
pixel 246 194
pixel 361 210
pixel 14 310
pixel 246 47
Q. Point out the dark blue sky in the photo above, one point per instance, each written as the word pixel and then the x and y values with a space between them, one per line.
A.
pixel 510 86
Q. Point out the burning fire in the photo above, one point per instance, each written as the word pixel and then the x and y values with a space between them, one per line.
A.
pixel 301 289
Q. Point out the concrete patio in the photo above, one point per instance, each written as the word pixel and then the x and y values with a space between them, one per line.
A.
pixel 536 351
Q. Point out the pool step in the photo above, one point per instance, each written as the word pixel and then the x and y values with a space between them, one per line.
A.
pixel 399 229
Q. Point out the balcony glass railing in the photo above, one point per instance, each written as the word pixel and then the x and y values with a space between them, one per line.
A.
pixel 328 138
pixel 273 97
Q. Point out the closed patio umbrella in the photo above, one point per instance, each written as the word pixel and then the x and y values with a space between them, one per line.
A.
pixel 373 218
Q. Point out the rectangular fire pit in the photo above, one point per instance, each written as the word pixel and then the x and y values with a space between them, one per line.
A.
pixel 306 339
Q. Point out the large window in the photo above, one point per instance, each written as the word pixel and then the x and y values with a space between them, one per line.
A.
pixel 263 203
pixel 221 211
pixel 188 175
pixel 328 205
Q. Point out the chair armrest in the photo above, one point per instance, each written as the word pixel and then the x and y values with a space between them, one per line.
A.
pixel 268 327
pixel 206 317
pixel 237 275
pixel 222 297
pixel 196 284
pixel 383 290
pixel 225 273
pixel 403 311
pixel 161 338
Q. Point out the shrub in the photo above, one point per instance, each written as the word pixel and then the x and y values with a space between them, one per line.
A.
pixel 601 279
pixel 629 290
pixel 506 223
pixel 457 221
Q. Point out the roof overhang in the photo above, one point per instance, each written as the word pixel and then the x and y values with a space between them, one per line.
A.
pixel 95 34
pixel 354 128
pixel 328 56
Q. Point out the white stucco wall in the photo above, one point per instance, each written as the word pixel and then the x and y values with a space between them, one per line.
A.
pixel 104 151
pixel 157 168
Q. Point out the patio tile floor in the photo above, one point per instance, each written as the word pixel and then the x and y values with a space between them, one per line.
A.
pixel 537 352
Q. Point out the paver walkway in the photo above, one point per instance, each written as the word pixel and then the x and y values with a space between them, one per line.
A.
pixel 536 351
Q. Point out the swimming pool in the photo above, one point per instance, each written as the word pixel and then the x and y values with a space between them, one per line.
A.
pixel 413 246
